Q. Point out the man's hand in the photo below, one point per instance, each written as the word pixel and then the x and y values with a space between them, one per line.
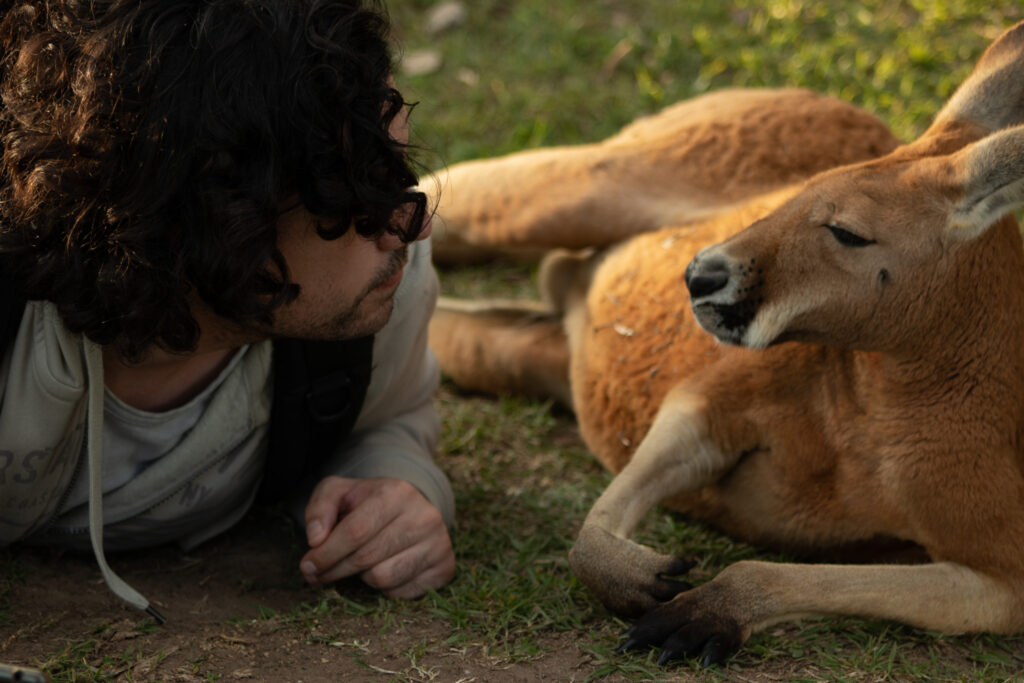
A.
pixel 382 529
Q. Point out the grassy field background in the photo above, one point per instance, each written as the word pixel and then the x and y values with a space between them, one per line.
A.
pixel 521 74
pixel 518 74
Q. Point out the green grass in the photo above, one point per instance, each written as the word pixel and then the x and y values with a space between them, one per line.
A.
pixel 526 74
pixel 89 660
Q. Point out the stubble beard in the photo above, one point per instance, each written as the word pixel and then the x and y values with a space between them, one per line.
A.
pixel 357 321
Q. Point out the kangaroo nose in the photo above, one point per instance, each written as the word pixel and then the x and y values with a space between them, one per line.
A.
pixel 703 279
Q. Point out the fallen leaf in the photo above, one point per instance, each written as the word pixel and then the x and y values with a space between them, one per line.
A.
pixel 445 16
pixel 421 62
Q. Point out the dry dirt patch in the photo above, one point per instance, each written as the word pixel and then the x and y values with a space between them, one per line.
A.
pixel 233 614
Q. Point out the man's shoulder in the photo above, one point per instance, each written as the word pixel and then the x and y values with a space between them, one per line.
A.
pixel 416 295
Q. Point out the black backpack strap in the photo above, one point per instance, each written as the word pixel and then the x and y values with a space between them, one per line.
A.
pixel 12 306
pixel 319 388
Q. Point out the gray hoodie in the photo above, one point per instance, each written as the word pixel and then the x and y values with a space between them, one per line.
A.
pixel 52 486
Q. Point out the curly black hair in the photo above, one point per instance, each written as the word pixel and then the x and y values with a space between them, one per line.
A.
pixel 149 147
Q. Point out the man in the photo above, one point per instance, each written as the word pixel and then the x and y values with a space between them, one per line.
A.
pixel 208 206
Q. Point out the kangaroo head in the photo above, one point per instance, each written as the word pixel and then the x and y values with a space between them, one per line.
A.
pixel 866 255
pixel 863 256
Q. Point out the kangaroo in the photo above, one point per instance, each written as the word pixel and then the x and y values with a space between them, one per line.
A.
pixel 689 161
pixel 863 379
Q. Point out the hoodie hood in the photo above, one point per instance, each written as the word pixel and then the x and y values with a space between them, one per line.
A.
pixel 53 455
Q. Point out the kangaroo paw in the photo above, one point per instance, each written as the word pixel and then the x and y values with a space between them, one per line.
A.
pixel 629 578
pixel 694 624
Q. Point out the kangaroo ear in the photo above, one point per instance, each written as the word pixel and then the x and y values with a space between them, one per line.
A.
pixel 992 97
pixel 990 176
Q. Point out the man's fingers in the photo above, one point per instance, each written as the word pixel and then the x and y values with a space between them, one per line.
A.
pixel 431 579
pixel 361 532
pixel 381 529
pixel 405 532
pixel 410 573
pixel 364 558
pixel 316 532
pixel 324 506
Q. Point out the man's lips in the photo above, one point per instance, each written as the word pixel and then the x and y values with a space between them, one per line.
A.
pixel 392 281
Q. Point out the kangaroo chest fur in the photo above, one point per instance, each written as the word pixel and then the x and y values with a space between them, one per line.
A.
pixel 837 446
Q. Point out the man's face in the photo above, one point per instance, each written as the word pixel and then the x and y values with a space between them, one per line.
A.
pixel 347 284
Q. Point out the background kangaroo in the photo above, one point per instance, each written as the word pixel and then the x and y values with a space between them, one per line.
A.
pixel 897 413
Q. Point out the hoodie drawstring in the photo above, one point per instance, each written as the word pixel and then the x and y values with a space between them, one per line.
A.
pixel 94 450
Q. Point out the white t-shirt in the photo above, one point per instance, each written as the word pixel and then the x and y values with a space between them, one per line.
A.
pixel 133 439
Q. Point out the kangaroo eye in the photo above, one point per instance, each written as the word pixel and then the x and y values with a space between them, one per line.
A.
pixel 847 238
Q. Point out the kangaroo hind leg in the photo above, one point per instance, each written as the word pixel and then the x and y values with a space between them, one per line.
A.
pixel 502 348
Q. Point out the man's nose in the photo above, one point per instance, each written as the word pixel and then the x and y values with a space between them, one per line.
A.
pixel 390 241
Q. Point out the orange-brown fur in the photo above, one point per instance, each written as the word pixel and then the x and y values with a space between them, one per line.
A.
pixel 687 162
pixel 642 339
pixel 797 408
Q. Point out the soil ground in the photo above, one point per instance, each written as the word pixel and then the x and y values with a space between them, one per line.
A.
pixel 237 608
pixel 228 607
